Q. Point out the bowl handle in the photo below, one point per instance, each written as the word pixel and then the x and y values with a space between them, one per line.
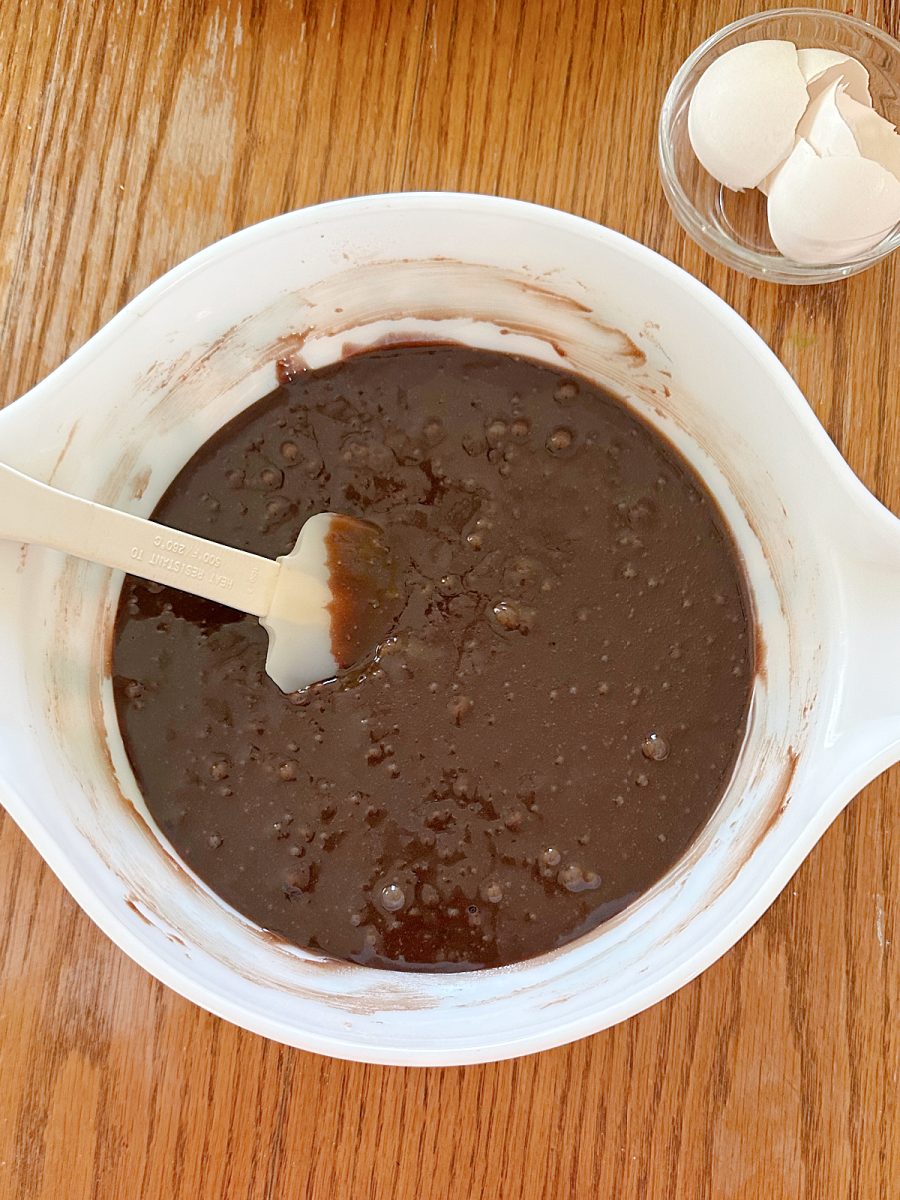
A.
pixel 865 727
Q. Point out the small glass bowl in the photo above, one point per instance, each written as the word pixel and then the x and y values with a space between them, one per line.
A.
pixel 732 226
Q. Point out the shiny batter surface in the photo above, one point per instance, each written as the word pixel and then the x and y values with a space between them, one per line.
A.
pixel 555 715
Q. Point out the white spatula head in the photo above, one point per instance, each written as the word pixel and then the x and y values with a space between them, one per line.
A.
pixel 334 602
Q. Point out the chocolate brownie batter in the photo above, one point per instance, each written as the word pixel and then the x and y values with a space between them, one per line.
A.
pixel 554 715
pixel 366 597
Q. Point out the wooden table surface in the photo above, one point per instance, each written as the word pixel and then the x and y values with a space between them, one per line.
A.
pixel 134 132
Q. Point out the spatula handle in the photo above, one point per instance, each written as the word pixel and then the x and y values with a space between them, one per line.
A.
pixel 35 512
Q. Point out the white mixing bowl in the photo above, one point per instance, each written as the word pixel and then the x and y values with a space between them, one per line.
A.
pixel 125 412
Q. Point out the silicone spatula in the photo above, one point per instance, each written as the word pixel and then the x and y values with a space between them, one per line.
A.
pixel 324 606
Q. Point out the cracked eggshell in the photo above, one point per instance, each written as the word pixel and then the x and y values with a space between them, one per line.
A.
pixel 831 210
pixel 824 126
pixel 835 124
pixel 875 137
pixel 821 68
pixel 765 186
pixel 744 111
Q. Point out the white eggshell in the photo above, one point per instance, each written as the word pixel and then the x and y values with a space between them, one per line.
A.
pixel 765 185
pixel 744 112
pixel 824 127
pixel 875 137
pixel 830 210
pixel 821 68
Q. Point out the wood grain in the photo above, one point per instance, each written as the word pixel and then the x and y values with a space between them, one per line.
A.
pixel 133 132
